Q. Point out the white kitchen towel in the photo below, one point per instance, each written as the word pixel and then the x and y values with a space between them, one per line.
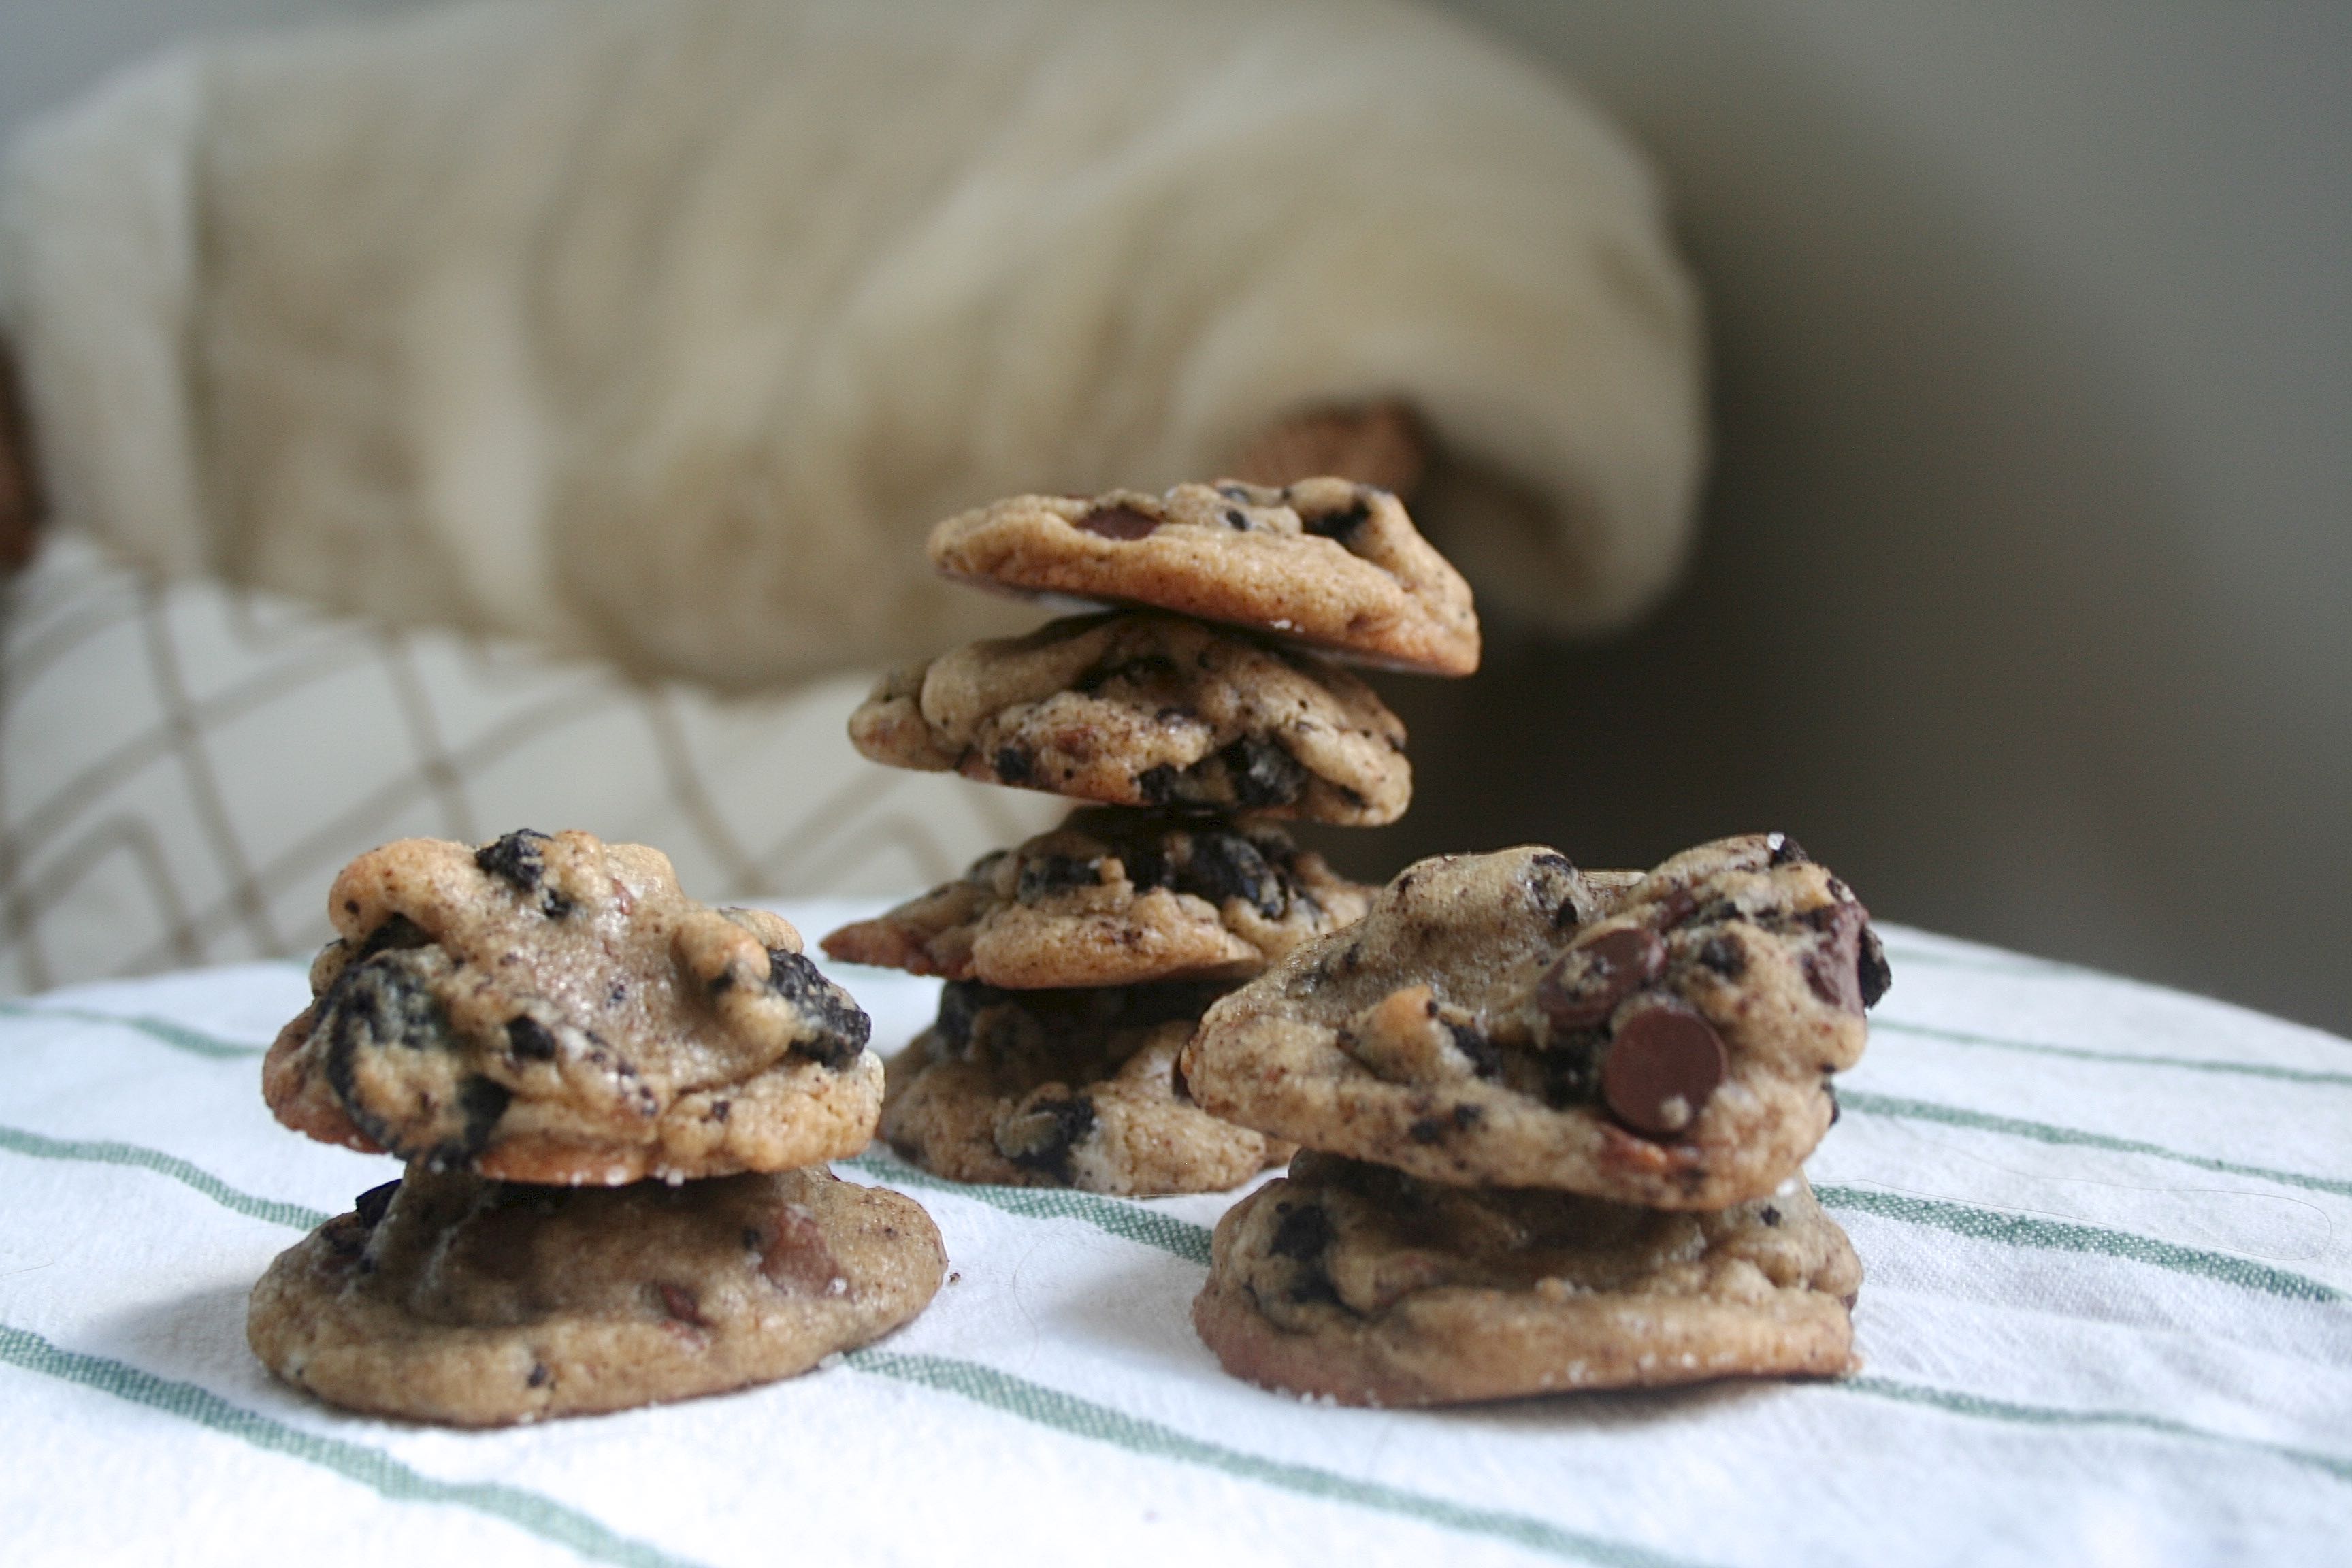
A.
pixel 2105 1321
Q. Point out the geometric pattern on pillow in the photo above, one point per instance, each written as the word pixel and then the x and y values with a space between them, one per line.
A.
pixel 185 764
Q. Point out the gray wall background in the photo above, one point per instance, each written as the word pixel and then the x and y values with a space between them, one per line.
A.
pixel 2023 593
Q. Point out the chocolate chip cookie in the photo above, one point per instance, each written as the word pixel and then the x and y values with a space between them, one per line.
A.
pixel 1115 898
pixel 1066 1089
pixel 448 1298
pixel 1150 710
pixel 1503 1019
pixel 1325 562
pixel 1361 1284
pixel 554 1009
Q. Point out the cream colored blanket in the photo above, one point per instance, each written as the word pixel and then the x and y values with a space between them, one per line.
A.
pixel 664 331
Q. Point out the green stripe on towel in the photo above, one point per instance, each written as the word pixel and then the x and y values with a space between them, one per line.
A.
pixel 2070 1137
pixel 179 1036
pixel 1084 1419
pixel 2109 1058
pixel 99 1151
pixel 2021 1230
pixel 378 1471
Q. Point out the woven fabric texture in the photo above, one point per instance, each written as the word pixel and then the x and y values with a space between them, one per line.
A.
pixel 2105 1321
pixel 183 765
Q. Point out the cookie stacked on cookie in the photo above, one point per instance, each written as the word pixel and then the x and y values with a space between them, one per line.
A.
pixel 1555 1122
pixel 615 1105
pixel 1195 717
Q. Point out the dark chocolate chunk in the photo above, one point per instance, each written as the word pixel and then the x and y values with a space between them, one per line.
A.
pixel 1014 766
pixel 539 1376
pixel 1338 525
pixel 1262 773
pixel 1161 784
pixel 680 1304
pixel 528 1039
pixel 1786 851
pixel 1236 521
pixel 1117 522
pixel 1873 974
pixel 1301 1234
pixel 1590 979
pixel 1040 1135
pixel 518 858
pixel 1222 865
pixel 1044 874
pixel 1834 968
pixel 1486 1056
pixel 369 1205
pixel 1725 955
pixel 840 1027
pixel 397 935
pixel 1768 1214
pixel 1661 1066
pixel 1425 1130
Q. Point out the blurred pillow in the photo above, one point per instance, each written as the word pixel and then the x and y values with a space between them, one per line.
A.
pixel 664 332
pixel 183 767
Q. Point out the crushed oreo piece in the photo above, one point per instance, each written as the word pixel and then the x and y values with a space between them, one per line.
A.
pixel 841 1025
pixel 371 1204
pixel 1040 1135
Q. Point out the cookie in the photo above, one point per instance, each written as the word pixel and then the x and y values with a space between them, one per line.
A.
pixel 1066 1089
pixel 1355 1283
pixel 554 1009
pixel 1148 710
pixel 1325 562
pixel 1502 1019
pixel 1115 898
pixel 448 1298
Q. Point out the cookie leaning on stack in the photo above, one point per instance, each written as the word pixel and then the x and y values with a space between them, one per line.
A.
pixel 1077 963
pixel 1560 1120
pixel 616 1106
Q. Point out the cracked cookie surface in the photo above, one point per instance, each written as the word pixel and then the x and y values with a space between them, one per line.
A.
pixel 554 1009
pixel 1066 1089
pixel 1115 897
pixel 1326 562
pixel 1506 1019
pixel 1356 1283
pixel 447 1298
pixel 1145 710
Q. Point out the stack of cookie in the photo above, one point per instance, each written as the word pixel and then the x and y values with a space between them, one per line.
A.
pixel 1556 1123
pixel 616 1106
pixel 1197 716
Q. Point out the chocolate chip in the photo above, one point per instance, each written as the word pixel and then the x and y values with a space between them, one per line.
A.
pixel 1222 866
pixel 1786 851
pixel 1014 766
pixel 1262 773
pixel 1160 784
pixel 1725 955
pixel 1486 1056
pixel 680 1304
pixel 840 1025
pixel 1873 974
pixel 385 1006
pixel 720 1109
pixel 1468 1116
pixel 1661 1066
pixel 1043 874
pixel 527 1038
pixel 1768 1214
pixel 1235 520
pixel 519 858
pixel 1117 522
pixel 371 1204
pixel 1040 1135
pixel 1426 1130
pixel 1338 525
pixel 1590 979
pixel 1834 968
pixel 1301 1234
pixel 539 1376
pixel 396 934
